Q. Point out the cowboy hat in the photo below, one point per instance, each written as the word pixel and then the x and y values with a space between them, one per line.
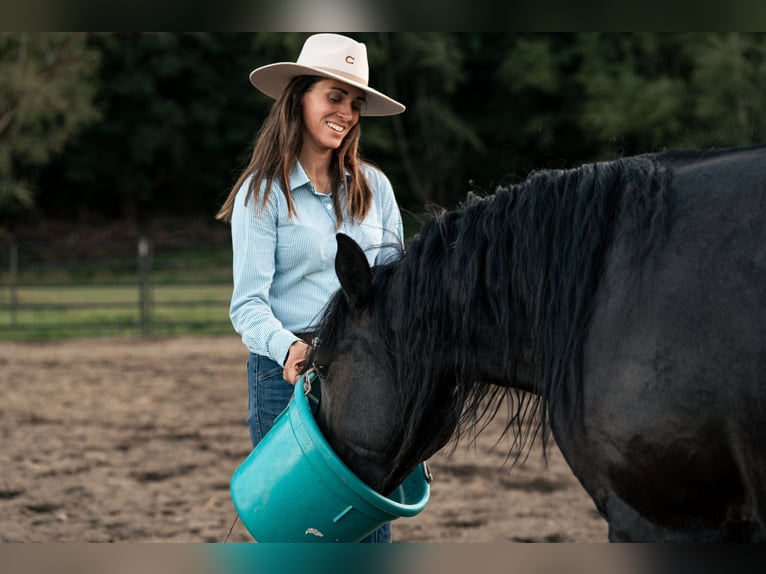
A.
pixel 329 56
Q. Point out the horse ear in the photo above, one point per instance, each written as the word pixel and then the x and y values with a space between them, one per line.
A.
pixel 353 271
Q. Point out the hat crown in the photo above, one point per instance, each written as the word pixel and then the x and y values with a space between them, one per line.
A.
pixel 327 56
pixel 337 54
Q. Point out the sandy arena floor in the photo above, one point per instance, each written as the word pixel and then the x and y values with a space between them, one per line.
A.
pixel 135 440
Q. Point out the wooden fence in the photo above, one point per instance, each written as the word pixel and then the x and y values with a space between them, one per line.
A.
pixel 93 288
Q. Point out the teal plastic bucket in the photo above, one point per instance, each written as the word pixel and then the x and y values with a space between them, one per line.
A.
pixel 294 488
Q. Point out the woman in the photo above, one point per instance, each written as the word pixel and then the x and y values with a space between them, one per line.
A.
pixel 304 183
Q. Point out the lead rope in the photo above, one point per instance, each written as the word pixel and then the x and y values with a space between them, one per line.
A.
pixel 233 524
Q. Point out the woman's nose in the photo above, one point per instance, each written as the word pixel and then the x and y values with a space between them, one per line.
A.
pixel 346 111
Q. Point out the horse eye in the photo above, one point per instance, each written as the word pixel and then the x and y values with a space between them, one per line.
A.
pixel 321 369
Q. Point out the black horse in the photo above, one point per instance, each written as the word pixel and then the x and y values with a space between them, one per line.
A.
pixel 620 305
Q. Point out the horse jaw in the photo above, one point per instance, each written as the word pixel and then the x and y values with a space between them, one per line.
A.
pixel 353 425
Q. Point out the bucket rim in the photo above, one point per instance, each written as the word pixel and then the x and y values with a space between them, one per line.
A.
pixel 302 415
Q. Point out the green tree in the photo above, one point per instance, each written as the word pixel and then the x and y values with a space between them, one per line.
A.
pixel 594 96
pixel 536 103
pixel 423 146
pixel 636 91
pixel 179 115
pixel 46 97
pixel 729 83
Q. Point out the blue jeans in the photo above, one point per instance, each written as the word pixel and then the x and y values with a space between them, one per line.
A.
pixel 268 395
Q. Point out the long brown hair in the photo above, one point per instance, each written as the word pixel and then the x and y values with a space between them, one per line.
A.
pixel 276 151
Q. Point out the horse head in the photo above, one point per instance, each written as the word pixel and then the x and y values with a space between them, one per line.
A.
pixel 363 412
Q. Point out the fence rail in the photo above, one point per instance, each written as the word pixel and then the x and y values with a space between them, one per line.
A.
pixel 89 288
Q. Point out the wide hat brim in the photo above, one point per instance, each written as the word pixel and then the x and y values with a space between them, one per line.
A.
pixel 273 79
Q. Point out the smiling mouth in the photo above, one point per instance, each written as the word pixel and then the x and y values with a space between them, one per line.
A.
pixel 337 128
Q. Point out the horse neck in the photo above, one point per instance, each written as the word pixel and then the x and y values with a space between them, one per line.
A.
pixel 462 315
pixel 451 337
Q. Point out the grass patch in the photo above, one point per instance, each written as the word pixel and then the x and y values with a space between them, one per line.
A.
pixel 70 311
pixel 91 288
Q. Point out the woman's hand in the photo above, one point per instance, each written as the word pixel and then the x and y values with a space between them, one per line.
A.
pixel 296 357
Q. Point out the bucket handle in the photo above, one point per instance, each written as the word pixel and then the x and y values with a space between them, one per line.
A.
pixel 427 473
pixel 308 379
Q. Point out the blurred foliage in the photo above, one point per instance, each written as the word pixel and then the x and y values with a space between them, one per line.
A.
pixel 46 96
pixel 137 125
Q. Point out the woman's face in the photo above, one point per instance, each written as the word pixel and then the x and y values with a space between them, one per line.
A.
pixel 330 109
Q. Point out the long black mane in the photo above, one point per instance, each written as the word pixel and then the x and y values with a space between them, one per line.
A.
pixel 524 262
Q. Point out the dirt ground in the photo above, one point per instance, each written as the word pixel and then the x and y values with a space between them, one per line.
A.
pixel 135 440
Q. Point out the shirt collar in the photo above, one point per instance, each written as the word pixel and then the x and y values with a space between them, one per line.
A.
pixel 298 178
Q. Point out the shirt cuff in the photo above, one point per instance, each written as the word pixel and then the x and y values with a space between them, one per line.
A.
pixel 280 344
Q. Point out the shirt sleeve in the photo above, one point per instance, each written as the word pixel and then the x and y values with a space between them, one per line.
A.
pixel 254 238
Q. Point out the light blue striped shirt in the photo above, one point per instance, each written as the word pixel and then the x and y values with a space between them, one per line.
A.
pixel 284 269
